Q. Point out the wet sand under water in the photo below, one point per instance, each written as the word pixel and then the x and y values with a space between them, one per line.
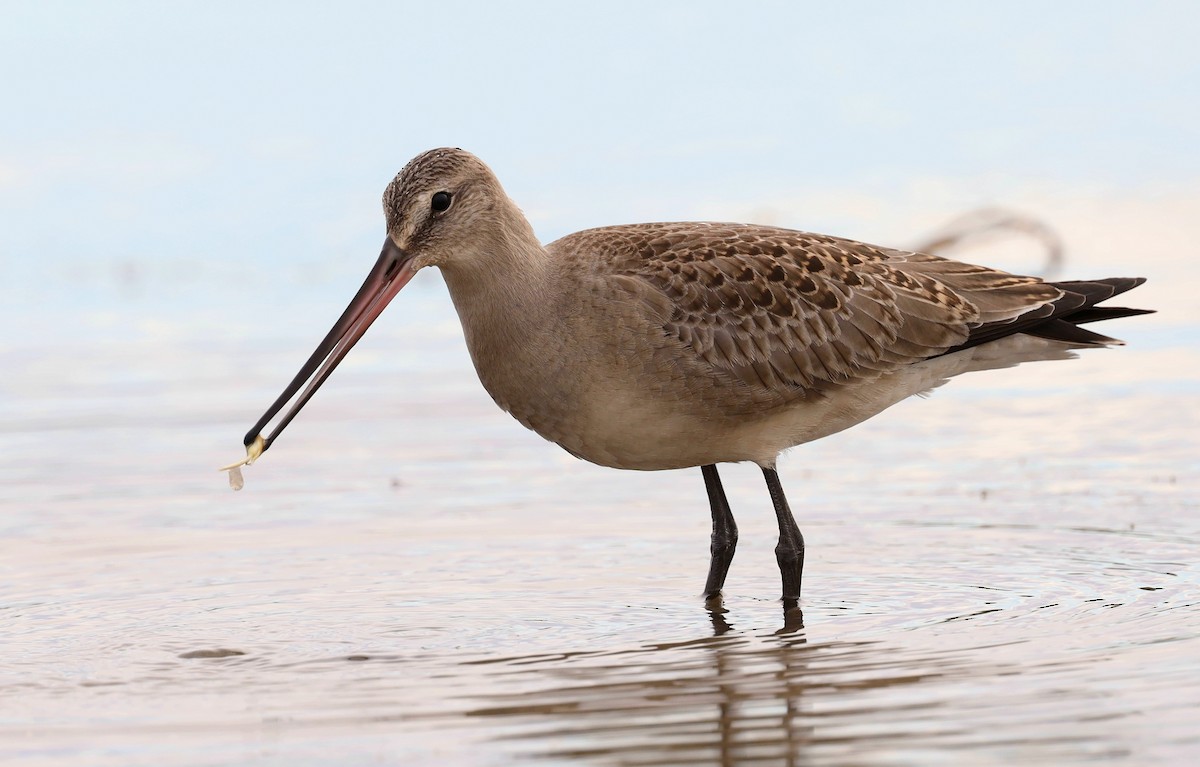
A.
pixel 1004 572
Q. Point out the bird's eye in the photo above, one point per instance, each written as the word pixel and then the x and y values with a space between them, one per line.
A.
pixel 440 201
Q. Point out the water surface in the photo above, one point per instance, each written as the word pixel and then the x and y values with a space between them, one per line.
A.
pixel 1003 572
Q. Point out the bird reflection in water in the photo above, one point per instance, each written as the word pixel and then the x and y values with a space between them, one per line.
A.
pixel 736 697
pixel 793 616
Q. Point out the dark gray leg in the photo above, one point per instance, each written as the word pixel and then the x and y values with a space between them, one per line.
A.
pixel 724 534
pixel 790 551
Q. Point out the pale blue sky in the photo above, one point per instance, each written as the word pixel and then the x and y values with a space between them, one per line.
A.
pixel 177 140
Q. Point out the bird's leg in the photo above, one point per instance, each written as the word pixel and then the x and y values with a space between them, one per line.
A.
pixel 790 551
pixel 724 532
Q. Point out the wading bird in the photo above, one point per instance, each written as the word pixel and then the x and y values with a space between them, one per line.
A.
pixel 670 345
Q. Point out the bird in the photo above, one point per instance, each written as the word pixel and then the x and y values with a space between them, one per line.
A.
pixel 674 345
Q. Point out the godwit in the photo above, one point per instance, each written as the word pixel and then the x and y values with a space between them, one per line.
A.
pixel 662 346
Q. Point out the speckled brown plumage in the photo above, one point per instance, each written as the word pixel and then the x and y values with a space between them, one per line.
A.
pixel 788 312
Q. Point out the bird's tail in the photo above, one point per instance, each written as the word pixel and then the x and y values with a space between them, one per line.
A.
pixel 1078 306
pixel 1060 319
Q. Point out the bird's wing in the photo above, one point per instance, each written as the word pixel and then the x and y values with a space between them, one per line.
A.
pixel 787 313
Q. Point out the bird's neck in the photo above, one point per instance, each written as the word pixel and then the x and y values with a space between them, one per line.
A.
pixel 501 280
pixel 507 302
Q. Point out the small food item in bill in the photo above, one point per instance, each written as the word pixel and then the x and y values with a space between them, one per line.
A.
pixel 253 451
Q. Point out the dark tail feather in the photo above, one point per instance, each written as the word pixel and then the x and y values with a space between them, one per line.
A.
pixel 1098 313
pixel 1060 319
pixel 1102 289
pixel 1063 330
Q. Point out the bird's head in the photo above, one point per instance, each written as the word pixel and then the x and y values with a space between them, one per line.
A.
pixel 444 209
pixel 447 209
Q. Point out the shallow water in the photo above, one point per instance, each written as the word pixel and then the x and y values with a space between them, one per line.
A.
pixel 1005 571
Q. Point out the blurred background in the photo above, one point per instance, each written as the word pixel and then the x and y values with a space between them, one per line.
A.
pixel 160 163
pixel 190 193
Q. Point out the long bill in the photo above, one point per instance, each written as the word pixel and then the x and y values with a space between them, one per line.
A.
pixel 391 272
